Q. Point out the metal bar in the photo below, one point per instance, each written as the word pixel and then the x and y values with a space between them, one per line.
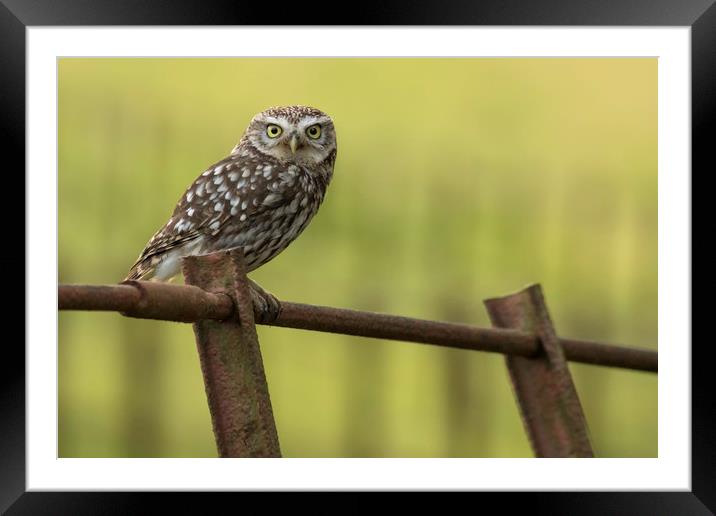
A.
pixel 384 326
pixel 161 301
pixel 117 298
pixel 236 389
pixel 455 335
pixel 546 395
pixel 610 355
pixel 148 300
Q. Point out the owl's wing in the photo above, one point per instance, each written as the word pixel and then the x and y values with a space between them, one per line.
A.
pixel 234 191
pixel 158 246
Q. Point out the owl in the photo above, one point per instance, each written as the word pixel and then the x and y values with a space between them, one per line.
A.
pixel 259 198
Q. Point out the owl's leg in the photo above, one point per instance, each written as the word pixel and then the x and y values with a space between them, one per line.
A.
pixel 269 307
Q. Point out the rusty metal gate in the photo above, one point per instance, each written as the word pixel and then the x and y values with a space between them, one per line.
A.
pixel 216 300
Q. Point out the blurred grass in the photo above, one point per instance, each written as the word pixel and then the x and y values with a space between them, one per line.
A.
pixel 457 180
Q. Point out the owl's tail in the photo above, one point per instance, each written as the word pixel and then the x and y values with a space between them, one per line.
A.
pixel 143 269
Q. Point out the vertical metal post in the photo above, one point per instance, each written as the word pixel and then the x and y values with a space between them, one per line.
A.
pixel 544 389
pixel 231 363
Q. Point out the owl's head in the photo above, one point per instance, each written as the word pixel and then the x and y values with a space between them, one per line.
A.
pixel 297 134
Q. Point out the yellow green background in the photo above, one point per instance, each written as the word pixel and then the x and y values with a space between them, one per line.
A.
pixel 456 180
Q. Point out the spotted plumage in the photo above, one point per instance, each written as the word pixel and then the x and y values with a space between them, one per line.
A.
pixel 259 198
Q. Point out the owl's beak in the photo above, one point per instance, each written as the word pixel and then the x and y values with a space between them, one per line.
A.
pixel 293 143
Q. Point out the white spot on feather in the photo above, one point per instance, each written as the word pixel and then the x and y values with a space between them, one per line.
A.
pixel 183 225
pixel 286 178
pixel 271 198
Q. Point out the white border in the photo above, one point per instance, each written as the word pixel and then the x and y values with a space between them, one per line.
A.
pixel 670 471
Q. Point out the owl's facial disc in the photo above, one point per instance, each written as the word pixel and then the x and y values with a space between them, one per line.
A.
pixel 295 134
pixel 293 142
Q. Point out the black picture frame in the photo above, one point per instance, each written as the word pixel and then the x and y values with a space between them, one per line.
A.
pixel 17 15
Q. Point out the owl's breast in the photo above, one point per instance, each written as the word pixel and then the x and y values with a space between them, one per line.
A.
pixel 280 207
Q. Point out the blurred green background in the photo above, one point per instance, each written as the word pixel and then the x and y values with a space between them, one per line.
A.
pixel 456 180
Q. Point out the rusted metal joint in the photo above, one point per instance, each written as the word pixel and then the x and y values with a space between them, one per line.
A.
pixel 233 314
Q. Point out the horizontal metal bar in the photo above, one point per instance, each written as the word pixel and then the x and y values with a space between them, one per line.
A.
pixel 610 355
pixel 117 298
pixel 393 327
pixel 148 300
pixel 455 335
pixel 186 303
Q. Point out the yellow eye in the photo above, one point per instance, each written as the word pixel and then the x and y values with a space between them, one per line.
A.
pixel 314 131
pixel 273 130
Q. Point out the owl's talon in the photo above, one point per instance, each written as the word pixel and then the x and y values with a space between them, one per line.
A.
pixel 265 303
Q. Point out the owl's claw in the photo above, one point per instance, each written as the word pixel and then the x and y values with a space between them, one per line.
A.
pixel 265 303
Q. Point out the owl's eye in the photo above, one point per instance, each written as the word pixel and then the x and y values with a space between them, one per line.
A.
pixel 273 130
pixel 314 131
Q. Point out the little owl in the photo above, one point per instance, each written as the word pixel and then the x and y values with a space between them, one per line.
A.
pixel 259 198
